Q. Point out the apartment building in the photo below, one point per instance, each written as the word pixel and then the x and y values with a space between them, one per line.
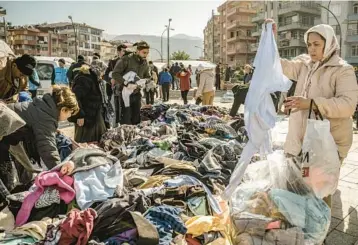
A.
pixel 293 19
pixel 37 41
pixel 3 25
pixel 235 29
pixel 108 51
pixel 88 38
pixel 346 29
pixel 212 39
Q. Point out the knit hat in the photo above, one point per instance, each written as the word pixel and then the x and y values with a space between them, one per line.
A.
pixel 26 64
pixel 96 56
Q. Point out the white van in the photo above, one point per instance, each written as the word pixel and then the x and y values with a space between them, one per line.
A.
pixel 45 66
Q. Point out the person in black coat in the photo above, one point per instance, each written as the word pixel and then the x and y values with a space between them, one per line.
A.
pixel 89 122
pixel 41 117
pixel 74 69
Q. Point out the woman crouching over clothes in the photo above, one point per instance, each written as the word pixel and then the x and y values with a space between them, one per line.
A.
pixel 28 133
pixel 89 122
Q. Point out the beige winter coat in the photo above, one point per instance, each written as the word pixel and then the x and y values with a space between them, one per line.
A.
pixel 334 89
pixel 207 82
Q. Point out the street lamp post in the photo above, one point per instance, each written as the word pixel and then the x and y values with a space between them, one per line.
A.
pixel 74 31
pixel 161 40
pixel 160 53
pixel 339 26
pixel 202 50
pixel 168 29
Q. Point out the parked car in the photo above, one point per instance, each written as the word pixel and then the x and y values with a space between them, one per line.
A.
pixel 45 66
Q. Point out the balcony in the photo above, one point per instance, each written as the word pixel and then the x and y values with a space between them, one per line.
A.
pixel 231 26
pixel 352 59
pixel 256 33
pixel 285 26
pixel 352 36
pixel 22 41
pixel 232 39
pixel 231 52
pixel 246 24
pixel 260 17
pixel 306 7
pixel 231 12
pixel 352 17
pixel 283 43
pixel 246 11
pixel 254 47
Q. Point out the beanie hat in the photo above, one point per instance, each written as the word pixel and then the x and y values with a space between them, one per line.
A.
pixel 26 64
pixel 96 55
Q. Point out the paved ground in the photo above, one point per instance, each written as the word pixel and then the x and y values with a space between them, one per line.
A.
pixel 344 225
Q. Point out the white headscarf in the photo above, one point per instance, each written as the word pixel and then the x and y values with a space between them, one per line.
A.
pixel 327 32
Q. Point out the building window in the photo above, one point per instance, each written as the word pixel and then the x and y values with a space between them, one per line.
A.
pixel 355 8
pixel 336 9
pixel 248 33
pixel 231 58
pixel 232 34
pixel 354 50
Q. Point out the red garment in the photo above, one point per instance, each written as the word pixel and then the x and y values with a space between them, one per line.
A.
pixel 184 81
pixel 77 227
pixel 191 240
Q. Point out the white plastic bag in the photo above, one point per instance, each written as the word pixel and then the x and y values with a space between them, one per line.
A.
pixel 321 164
pixel 279 134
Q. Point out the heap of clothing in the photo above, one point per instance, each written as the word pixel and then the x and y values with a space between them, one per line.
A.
pixel 155 183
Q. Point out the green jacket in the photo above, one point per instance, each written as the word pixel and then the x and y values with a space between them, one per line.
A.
pixel 129 63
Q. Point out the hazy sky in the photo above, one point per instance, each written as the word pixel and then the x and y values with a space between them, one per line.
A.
pixel 118 17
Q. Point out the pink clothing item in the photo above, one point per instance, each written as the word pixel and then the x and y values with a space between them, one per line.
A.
pixel 63 183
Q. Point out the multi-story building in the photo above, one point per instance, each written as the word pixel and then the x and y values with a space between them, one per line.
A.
pixel 235 29
pixel 37 41
pixel 88 38
pixel 293 19
pixel 212 39
pixel 3 25
pixel 346 29
pixel 108 51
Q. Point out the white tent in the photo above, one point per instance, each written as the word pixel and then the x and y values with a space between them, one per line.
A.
pixel 194 65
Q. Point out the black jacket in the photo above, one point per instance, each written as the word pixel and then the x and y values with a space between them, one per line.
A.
pixel 41 116
pixel 89 98
pixel 111 64
pixel 74 70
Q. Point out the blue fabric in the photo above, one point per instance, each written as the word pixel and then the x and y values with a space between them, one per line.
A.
pixel 64 146
pixel 166 219
pixel 24 96
pixel 165 77
pixel 61 76
pixel 34 77
pixel 308 212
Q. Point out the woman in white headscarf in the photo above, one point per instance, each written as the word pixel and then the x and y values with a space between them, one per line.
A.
pixel 325 78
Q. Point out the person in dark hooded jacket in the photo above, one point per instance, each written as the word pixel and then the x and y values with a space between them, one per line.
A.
pixel 41 117
pixel 89 122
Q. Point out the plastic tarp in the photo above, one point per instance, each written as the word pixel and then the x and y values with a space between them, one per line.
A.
pixel 260 114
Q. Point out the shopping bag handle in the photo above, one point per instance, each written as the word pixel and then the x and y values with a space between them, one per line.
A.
pixel 311 109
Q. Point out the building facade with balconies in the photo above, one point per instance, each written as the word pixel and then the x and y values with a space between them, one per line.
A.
pixel 236 32
pixel 108 51
pixel 293 19
pixel 88 38
pixel 212 39
pixel 36 41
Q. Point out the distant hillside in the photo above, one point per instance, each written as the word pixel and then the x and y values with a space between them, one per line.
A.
pixel 177 42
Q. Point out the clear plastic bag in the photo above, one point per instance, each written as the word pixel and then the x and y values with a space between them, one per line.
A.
pixel 274 204
pixel 320 163
pixel 279 134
